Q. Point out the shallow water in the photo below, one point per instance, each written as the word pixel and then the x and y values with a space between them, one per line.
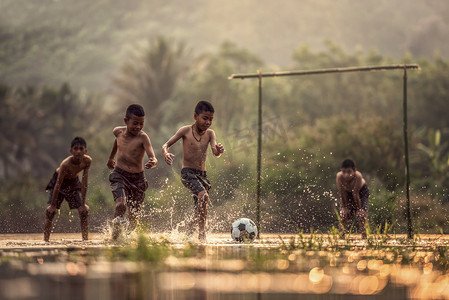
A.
pixel 67 268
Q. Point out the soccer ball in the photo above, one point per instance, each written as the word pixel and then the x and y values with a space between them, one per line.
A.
pixel 243 230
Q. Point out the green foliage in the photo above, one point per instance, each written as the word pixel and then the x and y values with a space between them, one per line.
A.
pixel 310 125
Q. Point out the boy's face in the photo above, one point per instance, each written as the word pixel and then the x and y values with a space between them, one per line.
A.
pixel 78 151
pixel 348 173
pixel 134 124
pixel 204 120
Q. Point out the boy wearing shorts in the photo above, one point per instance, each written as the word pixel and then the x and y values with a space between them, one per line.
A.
pixel 354 194
pixel 65 184
pixel 195 140
pixel 128 183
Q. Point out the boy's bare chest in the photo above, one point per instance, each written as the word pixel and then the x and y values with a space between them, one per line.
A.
pixel 73 171
pixel 129 145
pixel 348 185
pixel 193 146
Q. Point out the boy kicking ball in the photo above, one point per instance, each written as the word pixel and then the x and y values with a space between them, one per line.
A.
pixel 195 140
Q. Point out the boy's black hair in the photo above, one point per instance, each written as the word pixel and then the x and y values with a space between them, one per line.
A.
pixel 78 141
pixel 134 109
pixel 348 163
pixel 203 106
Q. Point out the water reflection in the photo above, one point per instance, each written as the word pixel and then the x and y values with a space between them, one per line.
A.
pixel 221 270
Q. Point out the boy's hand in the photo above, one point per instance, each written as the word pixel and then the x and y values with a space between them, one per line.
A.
pixel 50 211
pixel 220 148
pixel 344 213
pixel 111 163
pixel 84 208
pixel 152 162
pixel 169 158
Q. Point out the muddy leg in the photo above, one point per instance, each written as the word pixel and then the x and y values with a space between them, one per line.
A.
pixel 120 210
pixel 48 225
pixel 83 212
pixel 203 199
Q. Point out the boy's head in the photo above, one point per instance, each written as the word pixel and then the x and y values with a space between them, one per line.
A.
pixel 204 106
pixel 136 110
pixel 348 169
pixel 134 118
pixel 78 147
pixel 204 114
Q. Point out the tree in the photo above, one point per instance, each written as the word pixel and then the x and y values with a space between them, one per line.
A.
pixel 150 77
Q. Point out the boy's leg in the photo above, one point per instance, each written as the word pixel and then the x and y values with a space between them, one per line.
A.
pixel 362 215
pixel 343 226
pixel 134 208
pixel 201 212
pixel 50 214
pixel 120 207
pixel 118 184
pixel 120 210
pixel 361 218
pixel 83 212
pixel 48 224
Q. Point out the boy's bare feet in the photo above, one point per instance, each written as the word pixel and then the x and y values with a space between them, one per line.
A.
pixel 117 227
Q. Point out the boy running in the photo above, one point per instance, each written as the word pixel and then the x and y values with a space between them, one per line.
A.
pixel 128 181
pixel 65 184
pixel 354 194
pixel 195 141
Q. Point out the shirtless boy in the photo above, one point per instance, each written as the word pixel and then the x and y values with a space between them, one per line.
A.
pixel 354 194
pixel 195 141
pixel 128 183
pixel 65 184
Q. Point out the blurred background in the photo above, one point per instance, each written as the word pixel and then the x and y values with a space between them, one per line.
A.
pixel 70 68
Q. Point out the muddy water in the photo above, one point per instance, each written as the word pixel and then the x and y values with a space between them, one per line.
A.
pixel 67 268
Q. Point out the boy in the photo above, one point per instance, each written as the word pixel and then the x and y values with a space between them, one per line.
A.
pixel 65 184
pixel 128 183
pixel 195 140
pixel 354 195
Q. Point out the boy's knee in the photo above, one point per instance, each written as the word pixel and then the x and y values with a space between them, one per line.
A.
pixel 50 216
pixel 203 197
pixel 120 202
pixel 84 214
pixel 345 219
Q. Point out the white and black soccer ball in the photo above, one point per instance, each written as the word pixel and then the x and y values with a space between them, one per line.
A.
pixel 243 229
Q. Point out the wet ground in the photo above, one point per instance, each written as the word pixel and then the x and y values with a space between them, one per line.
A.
pixel 172 266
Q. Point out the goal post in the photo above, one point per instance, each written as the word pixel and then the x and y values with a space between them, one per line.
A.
pixel 259 75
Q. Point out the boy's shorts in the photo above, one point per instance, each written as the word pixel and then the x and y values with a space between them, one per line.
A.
pixel 70 190
pixel 195 180
pixel 129 185
pixel 364 195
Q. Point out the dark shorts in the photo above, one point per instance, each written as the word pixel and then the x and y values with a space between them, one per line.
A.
pixel 364 195
pixel 195 180
pixel 70 191
pixel 129 185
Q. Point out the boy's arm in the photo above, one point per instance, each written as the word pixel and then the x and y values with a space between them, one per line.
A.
pixel 117 130
pixel 343 199
pixel 168 157
pixel 84 182
pixel 356 190
pixel 152 161
pixel 111 160
pixel 217 149
pixel 51 209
